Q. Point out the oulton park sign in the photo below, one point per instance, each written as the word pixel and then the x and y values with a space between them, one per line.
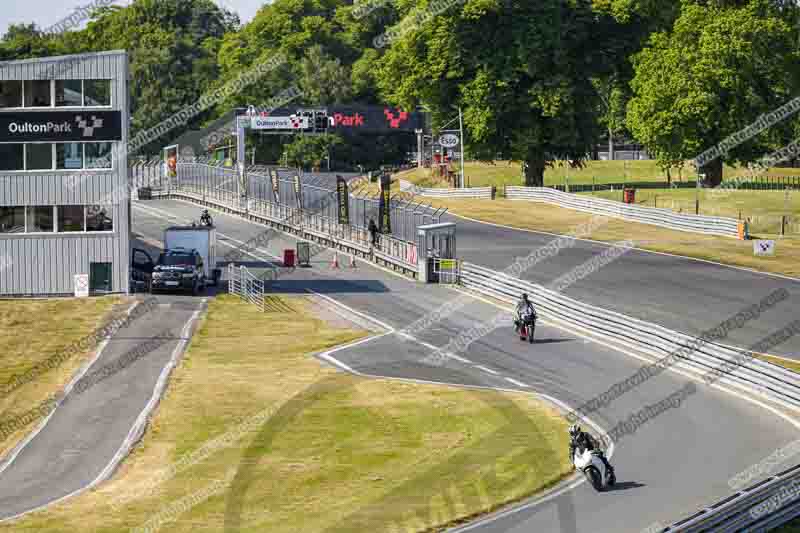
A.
pixel 61 126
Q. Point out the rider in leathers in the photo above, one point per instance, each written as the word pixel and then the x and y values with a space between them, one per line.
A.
pixel 581 439
pixel 525 309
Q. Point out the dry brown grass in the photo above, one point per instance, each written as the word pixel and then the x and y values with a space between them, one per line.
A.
pixel 35 330
pixel 374 447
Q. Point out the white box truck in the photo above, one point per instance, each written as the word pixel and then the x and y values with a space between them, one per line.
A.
pixel 200 238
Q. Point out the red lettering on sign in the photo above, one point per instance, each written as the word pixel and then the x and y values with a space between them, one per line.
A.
pixel 348 120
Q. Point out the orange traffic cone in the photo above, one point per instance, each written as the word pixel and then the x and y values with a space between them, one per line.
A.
pixel 335 262
pixel 353 261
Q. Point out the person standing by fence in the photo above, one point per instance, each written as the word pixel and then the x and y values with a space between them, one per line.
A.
pixel 373 232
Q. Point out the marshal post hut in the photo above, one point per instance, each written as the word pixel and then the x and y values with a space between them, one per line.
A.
pixel 64 202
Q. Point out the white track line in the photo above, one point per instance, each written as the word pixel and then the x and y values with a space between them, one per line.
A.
pixel 328 356
pixel 138 426
pixel 164 215
pixel 611 245
pixel 67 390
pixel 517 383
pixel 626 351
pixel 489 370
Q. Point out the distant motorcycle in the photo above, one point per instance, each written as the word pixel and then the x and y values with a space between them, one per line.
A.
pixel 592 466
pixel 205 219
pixel 525 327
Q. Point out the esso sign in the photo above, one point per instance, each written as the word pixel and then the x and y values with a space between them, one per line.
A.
pixel 449 140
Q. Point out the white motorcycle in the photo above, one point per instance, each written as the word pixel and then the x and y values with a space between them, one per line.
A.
pixel 592 466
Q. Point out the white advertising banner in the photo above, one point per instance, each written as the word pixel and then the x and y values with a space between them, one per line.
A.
pixel 278 123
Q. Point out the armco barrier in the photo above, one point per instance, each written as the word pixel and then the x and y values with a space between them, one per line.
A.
pixel 727 227
pixel 758 378
pixel 390 252
pixel 472 192
pixel 742 511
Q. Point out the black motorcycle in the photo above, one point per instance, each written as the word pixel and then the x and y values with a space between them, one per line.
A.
pixel 526 328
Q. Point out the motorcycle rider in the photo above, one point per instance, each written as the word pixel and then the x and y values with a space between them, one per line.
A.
pixel 581 439
pixel 525 311
pixel 205 218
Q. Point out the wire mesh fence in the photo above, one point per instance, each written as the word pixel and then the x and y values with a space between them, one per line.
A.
pixel 316 194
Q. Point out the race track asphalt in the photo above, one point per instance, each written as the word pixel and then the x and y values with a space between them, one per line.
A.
pixel 680 293
pixel 669 468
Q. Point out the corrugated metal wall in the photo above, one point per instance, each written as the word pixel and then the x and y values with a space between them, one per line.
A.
pixel 46 264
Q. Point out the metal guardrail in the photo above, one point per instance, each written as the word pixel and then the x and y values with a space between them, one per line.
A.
pixel 756 508
pixel 471 192
pixel 394 253
pixel 755 377
pixel 727 227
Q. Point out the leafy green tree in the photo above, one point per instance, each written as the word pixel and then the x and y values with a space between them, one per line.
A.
pixel 173 46
pixel 715 73
pixel 613 99
pixel 309 150
pixel 521 72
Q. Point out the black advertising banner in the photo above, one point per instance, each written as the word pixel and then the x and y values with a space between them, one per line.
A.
pixel 298 192
pixel 385 204
pixel 273 175
pixel 61 126
pixel 373 119
pixel 344 201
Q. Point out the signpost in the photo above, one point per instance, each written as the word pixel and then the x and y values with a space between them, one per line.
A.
pixel 448 140
pixel 303 254
pixel 273 175
pixel 342 196
pixel 81 285
pixel 763 248
pixel 279 123
pixel 298 193
pixel 384 208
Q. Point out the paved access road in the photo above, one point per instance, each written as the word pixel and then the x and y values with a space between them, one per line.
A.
pixel 80 443
pixel 676 292
pixel 670 467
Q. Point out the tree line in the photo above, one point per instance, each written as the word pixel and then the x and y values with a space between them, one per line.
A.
pixel 538 82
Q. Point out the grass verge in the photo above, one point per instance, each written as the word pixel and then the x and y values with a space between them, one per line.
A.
pixel 365 454
pixel 548 218
pixel 762 209
pixel 34 331
pixel 602 172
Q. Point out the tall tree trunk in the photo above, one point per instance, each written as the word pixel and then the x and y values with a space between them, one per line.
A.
pixel 534 170
pixel 610 144
pixel 669 178
pixel 713 172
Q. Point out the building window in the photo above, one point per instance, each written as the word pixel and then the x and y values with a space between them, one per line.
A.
pixel 12 219
pixel 38 156
pixel 40 219
pixel 98 218
pixel 12 156
pixel 69 156
pixel 71 218
pixel 10 94
pixel 37 93
pixel 97 93
pixel 98 155
pixel 69 93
